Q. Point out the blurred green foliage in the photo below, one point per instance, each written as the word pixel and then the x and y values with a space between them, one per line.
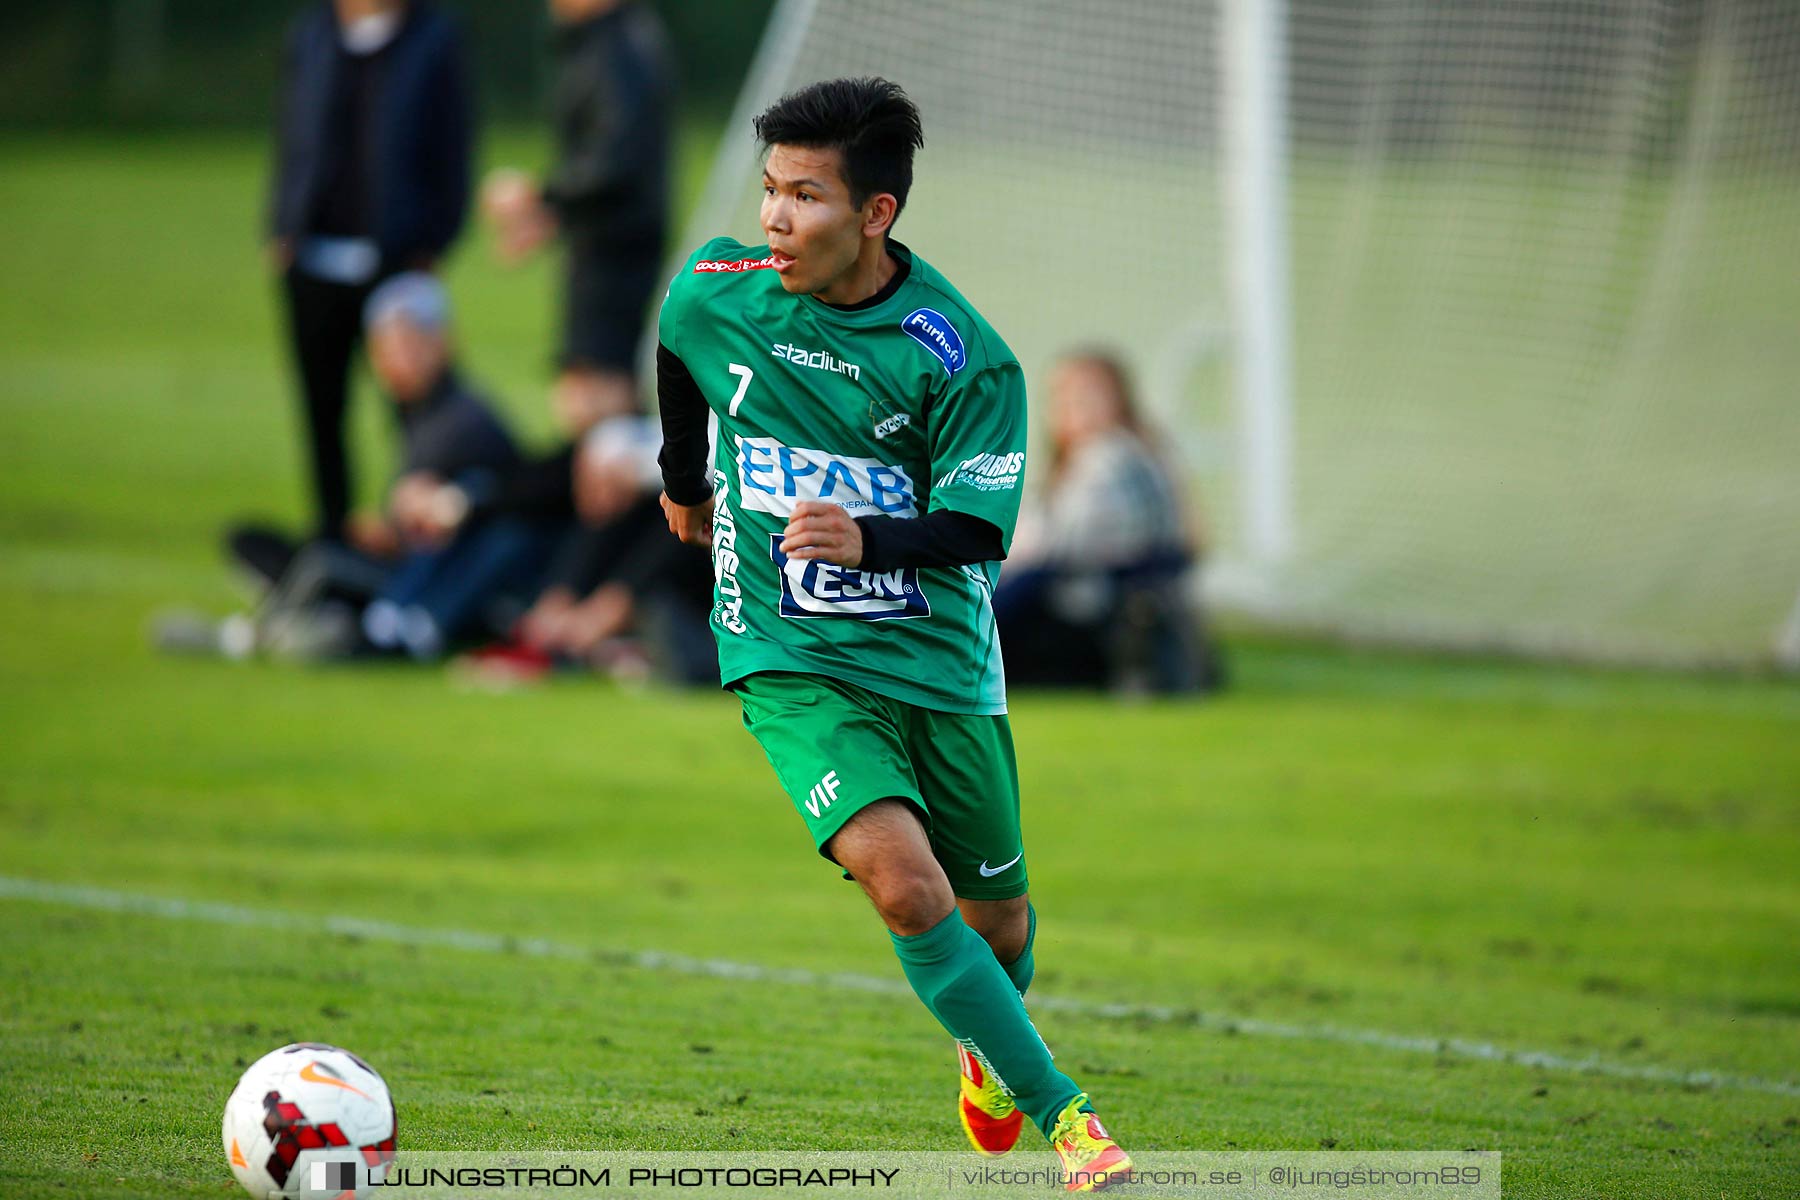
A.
pixel 145 63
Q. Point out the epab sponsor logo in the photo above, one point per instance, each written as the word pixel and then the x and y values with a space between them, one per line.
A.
pixel 933 330
pixel 812 587
pixel 773 478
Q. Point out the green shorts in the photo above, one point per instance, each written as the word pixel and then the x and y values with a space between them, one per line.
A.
pixel 837 748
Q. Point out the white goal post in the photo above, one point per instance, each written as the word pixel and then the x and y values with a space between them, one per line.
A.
pixel 1253 71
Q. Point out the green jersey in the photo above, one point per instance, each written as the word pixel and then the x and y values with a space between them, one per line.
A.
pixel 901 408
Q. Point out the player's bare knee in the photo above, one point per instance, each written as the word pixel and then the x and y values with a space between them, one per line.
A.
pixel 911 897
pixel 910 903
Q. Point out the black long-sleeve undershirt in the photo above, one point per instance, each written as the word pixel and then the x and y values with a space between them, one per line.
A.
pixel 944 538
pixel 683 407
pixel 938 539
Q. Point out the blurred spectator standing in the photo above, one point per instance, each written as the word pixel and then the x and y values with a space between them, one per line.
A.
pixel 373 146
pixel 1094 591
pixel 607 197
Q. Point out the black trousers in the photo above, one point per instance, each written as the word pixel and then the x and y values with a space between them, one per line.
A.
pixel 324 331
pixel 607 292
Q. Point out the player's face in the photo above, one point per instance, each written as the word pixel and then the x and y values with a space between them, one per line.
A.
pixel 814 231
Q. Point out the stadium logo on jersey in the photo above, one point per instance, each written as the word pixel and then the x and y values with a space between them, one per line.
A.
pixel 818 360
pixel 932 330
pixel 727 266
pixel 987 472
pixel 811 587
pixel 893 424
pixel 772 478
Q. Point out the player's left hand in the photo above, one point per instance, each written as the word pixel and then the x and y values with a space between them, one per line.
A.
pixel 819 529
pixel 692 523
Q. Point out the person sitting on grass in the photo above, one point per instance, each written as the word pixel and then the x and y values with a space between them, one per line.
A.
pixel 423 592
pixel 1094 592
pixel 447 574
pixel 620 595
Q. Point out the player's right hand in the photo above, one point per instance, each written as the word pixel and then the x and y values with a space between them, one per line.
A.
pixel 692 523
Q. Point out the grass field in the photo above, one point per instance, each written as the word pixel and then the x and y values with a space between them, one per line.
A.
pixel 1362 902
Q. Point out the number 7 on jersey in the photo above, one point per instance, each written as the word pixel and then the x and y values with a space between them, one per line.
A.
pixel 744 376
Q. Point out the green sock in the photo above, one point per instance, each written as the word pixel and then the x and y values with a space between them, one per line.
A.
pixel 1021 969
pixel 955 973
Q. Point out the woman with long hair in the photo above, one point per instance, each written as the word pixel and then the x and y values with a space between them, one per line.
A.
pixel 1094 592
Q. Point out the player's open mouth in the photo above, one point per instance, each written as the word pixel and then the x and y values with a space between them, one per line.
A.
pixel 781 261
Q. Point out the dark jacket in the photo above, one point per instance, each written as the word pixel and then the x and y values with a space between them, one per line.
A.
pixel 615 88
pixel 453 430
pixel 421 145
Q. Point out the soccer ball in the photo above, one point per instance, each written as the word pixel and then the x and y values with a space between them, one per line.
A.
pixel 309 1121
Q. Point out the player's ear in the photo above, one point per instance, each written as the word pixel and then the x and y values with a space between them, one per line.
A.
pixel 879 212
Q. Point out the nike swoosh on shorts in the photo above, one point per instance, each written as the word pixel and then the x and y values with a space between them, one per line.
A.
pixel 988 872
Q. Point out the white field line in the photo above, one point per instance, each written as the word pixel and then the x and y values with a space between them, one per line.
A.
pixel 176 909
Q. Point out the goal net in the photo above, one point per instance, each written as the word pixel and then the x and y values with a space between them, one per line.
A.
pixel 1531 273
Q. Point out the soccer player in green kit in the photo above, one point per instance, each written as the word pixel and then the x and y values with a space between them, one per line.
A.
pixel 869 448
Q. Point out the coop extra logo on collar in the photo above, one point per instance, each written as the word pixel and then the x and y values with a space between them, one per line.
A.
pixel 932 330
pixel 726 266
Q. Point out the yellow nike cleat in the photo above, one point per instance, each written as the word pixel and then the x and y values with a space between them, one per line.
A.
pixel 1091 1159
pixel 989 1116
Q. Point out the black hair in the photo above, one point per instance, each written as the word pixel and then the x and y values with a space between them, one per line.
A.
pixel 871 122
